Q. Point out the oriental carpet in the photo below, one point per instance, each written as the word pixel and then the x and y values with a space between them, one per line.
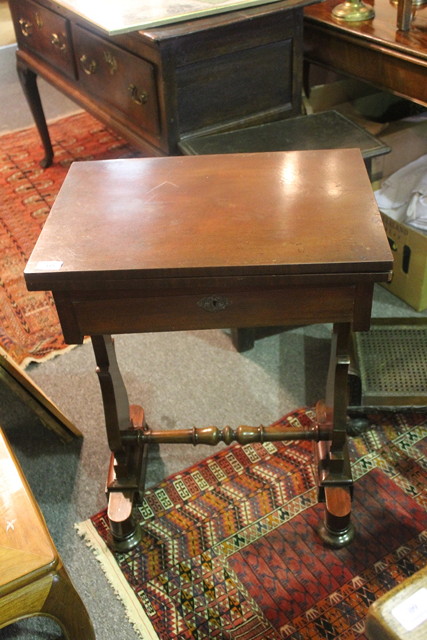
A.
pixel 229 547
pixel 29 326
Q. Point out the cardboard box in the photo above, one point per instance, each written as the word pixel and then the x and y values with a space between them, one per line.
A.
pixel 409 246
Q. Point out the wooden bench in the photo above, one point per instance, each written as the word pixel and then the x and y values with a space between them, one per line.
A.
pixel 33 580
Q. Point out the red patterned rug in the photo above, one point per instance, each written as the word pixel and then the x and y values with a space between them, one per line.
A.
pixel 230 549
pixel 29 327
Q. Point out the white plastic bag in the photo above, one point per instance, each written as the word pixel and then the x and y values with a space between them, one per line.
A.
pixel 403 195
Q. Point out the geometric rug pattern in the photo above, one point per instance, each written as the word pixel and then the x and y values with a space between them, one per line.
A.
pixel 29 326
pixel 230 548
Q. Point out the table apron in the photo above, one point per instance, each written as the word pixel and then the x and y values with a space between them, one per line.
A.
pixel 95 313
pixel 382 66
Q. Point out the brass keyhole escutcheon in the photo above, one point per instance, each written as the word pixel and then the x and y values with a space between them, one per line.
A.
pixel 214 303
pixel 111 61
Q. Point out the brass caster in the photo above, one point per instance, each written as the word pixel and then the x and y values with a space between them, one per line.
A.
pixel 336 539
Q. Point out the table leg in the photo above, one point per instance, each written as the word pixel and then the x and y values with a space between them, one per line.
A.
pixel 128 438
pixel 335 481
pixel 128 459
pixel 28 80
pixel 243 339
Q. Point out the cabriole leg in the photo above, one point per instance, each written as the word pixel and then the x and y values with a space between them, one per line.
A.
pixel 28 80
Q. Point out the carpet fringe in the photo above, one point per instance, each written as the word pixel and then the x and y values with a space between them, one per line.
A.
pixel 49 356
pixel 134 610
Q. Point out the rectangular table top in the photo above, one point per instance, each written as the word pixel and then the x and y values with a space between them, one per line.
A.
pixel 133 15
pixel 278 213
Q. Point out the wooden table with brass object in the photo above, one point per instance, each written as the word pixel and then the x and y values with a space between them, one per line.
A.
pixel 374 51
pixel 155 86
pixel 205 242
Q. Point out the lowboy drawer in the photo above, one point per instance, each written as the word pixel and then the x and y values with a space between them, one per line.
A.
pixel 45 33
pixel 118 77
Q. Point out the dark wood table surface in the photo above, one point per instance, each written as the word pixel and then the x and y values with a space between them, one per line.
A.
pixel 374 50
pixel 202 242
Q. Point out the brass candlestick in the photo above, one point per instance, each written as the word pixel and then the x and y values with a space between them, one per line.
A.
pixel 353 11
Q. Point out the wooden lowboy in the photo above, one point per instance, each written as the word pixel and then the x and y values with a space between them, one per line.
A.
pixel 158 86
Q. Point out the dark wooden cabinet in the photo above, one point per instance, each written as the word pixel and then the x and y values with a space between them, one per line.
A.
pixel 160 85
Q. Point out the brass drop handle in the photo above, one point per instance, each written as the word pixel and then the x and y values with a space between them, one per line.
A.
pixel 138 97
pixel 57 42
pixel 26 27
pixel 88 66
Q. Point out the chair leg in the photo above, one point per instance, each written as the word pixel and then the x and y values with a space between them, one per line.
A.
pixel 64 605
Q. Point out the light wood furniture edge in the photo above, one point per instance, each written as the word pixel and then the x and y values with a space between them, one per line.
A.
pixel 32 395
pixel 33 580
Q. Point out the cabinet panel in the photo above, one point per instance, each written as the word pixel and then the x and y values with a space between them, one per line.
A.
pixel 45 33
pixel 117 77
pixel 235 86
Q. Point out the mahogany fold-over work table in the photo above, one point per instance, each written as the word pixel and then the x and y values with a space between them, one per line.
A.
pixel 203 242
